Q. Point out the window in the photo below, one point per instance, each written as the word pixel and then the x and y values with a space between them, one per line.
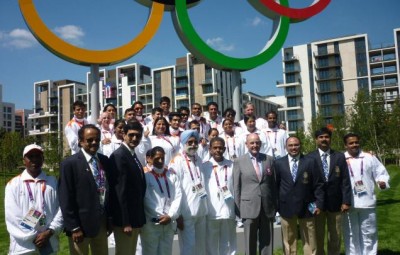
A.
pixel 324 86
pixel 290 91
pixel 322 49
pixel 292 102
pixel 290 78
pixel 293 125
pixel 339 97
pixel 292 114
pixel 325 98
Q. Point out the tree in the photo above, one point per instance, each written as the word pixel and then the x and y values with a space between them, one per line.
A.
pixel 368 119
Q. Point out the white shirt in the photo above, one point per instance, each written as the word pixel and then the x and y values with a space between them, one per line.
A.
pixel 260 124
pixel 291 162
pixel 218 207
pixel 142 149
pixel 191 205
pixel 242 148
pixel 71 133
pixel 277 140
pixel 170 146
pixel 372 172
pixel 106 149
pixel 17 205
pixel 155 198
pixel 231 145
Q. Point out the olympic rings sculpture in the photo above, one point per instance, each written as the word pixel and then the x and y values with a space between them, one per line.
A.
pixel 281 14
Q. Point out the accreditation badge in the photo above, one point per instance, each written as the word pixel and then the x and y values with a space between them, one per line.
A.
pixel 102 195
pixel 200 190
pixel 31 219
pixel 225 193
pixel 360 187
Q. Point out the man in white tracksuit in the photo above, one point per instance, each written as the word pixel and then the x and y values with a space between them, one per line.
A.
pixel 161 205
pixel 32 212
pixel 359 224
pixel 221 224
pixel 189 169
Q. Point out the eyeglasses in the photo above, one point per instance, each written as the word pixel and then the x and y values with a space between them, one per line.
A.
pixel 137 109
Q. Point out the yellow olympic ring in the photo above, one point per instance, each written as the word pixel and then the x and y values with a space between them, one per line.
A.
pixel 87 57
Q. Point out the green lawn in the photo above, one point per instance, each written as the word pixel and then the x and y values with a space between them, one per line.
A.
pixel 388 210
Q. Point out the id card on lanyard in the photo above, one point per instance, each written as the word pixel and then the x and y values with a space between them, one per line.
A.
pixel 223 191
pixel 35 217
pixel 197 188
pixel 167 203
pixel 359 187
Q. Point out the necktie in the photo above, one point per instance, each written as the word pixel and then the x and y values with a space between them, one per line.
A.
pixel 294 169
pixel 95 167
pixel 96 173
pixel 325 165
pixel 257 168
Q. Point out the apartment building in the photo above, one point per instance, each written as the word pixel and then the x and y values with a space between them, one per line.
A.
pixel 7 113
pixel 324 76
pixel 53 107
pixel 22 122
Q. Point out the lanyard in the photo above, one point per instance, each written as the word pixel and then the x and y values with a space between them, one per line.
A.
pixel 227 144
pixel 164 174
pixel 216 175
pixel 30 194
pixel 351 170
pixel 190 170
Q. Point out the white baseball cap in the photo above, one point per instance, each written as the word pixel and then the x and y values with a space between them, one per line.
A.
pixel 31 147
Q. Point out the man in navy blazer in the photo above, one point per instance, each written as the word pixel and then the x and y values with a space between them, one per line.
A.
pixel 130 188
pixel 300 196
pixel 332 165
pixel 84 191
pixel 255 196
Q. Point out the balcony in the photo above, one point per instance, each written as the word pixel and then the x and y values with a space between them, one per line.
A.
pixel 295 117
pixel 323 53
pixel 42 131
pixel 181 85
pixel 181 74
pixel 330 76
pixel 291 58
pixel 206 82
pixel 42 115
pixel 332 101
pixel 292 70
pixel 331 89
pixel 293 93
pixel 181 96
pixel 281 84
pixel 328 65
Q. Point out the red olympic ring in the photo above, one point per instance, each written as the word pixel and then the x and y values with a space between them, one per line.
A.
pixel 297 14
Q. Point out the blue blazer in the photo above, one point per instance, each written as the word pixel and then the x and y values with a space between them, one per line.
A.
pixel 338 187
pixel 79 198
pixel 295 196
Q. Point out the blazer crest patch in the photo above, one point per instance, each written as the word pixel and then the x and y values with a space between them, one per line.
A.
pixel 305 177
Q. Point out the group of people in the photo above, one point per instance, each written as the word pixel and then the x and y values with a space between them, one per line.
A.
pixel 148 177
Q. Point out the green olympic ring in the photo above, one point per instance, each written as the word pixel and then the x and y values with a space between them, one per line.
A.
pixel 200 49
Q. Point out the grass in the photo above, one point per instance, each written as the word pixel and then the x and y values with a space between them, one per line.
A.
pixel 388 213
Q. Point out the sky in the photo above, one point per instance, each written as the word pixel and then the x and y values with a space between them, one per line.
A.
pixel 231 27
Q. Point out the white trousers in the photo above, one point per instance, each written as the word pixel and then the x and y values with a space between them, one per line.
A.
pixel 192 239
pixel 221 237
pixel 157 239
pixel 360 232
